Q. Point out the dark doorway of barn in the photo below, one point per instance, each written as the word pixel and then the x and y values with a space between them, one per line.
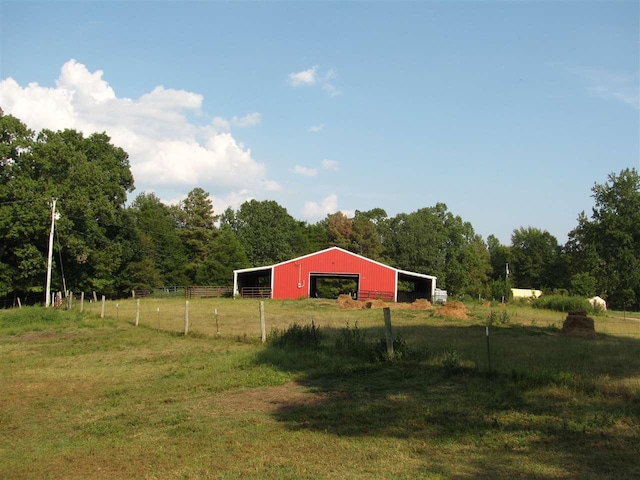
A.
pixel 412 288
pixel 256 284
pixel 332 286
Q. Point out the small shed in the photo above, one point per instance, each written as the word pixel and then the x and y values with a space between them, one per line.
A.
pixel 299 277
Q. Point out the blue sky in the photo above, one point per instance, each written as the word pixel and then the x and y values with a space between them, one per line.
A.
pixel 508 112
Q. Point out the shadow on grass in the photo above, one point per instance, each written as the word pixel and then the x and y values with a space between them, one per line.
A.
pixel 552 406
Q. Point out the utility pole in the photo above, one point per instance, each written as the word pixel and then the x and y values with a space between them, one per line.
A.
pixel 47 302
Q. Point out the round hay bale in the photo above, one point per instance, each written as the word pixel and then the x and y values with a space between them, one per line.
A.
pixel 421 304
pixel 345 301
pixel 453 309
pixel 579 325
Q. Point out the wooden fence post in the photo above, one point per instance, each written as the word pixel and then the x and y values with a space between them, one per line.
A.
pixel 81 301
pixel 95 297
pixel 215 312
pixel 387 332
pixel 19 303
pixel 102 308
pixel 263 326
pixel 186 318
pixel 488 349
pixel 137 311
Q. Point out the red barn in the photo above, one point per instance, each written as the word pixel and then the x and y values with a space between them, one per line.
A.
pixel 298 278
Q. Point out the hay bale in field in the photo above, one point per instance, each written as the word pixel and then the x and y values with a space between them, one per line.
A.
pixel 578 324
pixel 345 301
pixel 377 303
pixel 453 310
pixel 421 304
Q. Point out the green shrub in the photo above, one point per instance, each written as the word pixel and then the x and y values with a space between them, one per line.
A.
pixel 352 342
pixel 452 362
pixel 561 303
pixel 503 318
pixel 296 336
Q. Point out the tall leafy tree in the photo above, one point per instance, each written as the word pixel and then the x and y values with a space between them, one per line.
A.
pixel 419 239
pixel 340 230
pixel 90 177
pixel 225 255
pixel 160 254
pixel 434 241
pixel 534 256
pixel 195 220
pixel 499 257
pixel 606 246
pixel 19 261
pixel 266 231
pixel 365 237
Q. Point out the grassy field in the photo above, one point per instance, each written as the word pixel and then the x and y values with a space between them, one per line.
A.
pixel 85 397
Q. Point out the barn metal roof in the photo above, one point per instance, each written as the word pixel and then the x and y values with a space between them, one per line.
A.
pixel 397 270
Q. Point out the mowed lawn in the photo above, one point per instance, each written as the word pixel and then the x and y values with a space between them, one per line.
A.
pixel 84 397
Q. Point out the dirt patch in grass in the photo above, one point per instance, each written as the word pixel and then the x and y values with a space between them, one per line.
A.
pixel 453 309
pixel 267 399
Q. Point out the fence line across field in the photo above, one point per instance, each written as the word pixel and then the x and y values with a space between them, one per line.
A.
pixel 207 316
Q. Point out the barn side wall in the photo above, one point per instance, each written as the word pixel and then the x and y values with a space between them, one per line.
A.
pixel 291 279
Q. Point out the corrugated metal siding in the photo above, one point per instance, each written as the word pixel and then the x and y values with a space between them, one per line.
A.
pixel 291 279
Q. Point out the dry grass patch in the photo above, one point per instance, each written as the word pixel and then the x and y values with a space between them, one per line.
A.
pixel 265 399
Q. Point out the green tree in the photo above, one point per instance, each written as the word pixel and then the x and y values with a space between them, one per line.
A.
pixel 266 231
pixel 365 239
pixel 195 219
pixel 225 255
pixel 90 177
pixel 160 254
pixel 418 240
pixel 534 258
pixel 435 242
pixel 339 230
pixel 607 246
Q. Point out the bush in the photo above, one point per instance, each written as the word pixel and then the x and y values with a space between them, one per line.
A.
pixel 352 342
pixel 452 362
pixel 494 318
pixel 296 336
pixel 561 303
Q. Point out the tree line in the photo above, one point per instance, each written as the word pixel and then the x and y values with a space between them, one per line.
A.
pixel 104 244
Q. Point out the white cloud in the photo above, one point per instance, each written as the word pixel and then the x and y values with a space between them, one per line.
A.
pixel 331 90
pixel 220 124
pixel 167 152
pixel 248 120
pixel 311 76
pixel 331 74
pixel 307 172
pixel 330 164
pixel 316 128
pixel 622 87
pixel 315 211
pixel 304 78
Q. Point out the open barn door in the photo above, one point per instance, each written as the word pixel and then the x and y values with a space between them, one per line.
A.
pixel 326 285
